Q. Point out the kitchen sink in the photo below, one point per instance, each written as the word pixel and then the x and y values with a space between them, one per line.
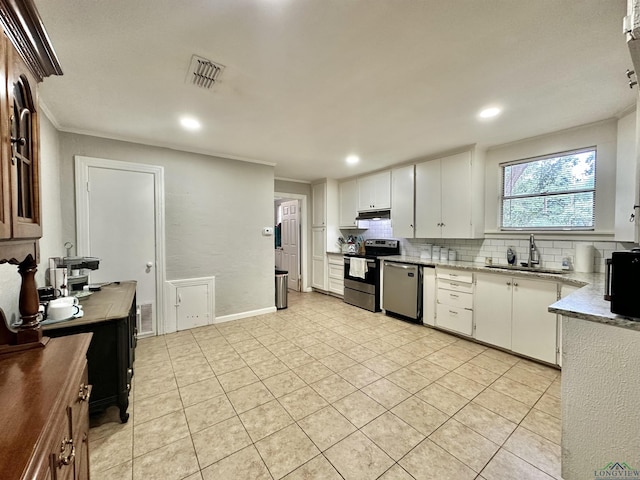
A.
pixel 518 268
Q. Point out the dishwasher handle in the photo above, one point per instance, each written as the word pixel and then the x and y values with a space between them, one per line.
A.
pixel 398 265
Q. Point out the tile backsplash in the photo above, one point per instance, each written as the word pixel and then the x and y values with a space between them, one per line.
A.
pixel 551 251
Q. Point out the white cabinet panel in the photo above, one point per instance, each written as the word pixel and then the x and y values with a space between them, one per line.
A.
pixel 374 191
pixel 319 258
pixel 428 199
pixel 428 296
pixel 449 194
pixel 453 318
pixel 455 175
pixel 348 204
pixel 492 309
pixel 534 328
pixel 402 188
pixel 319 202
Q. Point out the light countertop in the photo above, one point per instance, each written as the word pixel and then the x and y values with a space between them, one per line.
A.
pixel 587 303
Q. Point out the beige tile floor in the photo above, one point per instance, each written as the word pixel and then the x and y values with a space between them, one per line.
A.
pixel 324 390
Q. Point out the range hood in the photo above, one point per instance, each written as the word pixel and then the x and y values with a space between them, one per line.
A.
pixel 374 215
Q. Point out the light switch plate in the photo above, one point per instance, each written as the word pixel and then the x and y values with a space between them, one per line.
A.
pixel 267 231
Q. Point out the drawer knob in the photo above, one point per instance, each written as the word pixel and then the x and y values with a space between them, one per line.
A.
pixel 83 395
pixel 66 459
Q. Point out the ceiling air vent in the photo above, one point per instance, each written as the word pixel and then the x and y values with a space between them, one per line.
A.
pixel 203 73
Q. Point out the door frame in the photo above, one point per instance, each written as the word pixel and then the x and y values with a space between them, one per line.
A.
pixel 82 165
pixel 304 267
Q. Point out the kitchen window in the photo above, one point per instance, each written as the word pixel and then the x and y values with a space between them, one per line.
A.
pixel 552 192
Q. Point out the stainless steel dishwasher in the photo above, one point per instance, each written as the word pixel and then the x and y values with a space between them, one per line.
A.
pixel 402 290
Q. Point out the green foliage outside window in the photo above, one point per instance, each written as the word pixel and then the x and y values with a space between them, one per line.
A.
pixel 552 192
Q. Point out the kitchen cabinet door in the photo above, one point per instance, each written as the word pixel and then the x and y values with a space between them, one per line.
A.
pixel 534 328
pixel 428 210
pixel 319 202
pixel 492 309
pixel 374 192
pixel 348 204
pixel 429 296
pixel 402 189
pixel 455 176
pixel 319 258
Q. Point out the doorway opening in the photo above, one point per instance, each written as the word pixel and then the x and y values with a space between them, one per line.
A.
pixel 290 252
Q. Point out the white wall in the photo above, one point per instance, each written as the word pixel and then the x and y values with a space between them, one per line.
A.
pixel 215 211
pixel 602 134
pixel 51 244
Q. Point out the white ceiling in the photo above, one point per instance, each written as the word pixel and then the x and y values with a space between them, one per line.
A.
pixel 309 81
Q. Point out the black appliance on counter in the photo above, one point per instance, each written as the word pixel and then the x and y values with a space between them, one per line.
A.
pixel 365 292
pixel 622 283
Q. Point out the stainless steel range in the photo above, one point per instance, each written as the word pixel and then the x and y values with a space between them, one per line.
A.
pixel 362 286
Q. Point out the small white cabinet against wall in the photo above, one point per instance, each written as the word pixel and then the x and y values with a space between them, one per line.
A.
pixel 402 191
pixel 374 192
pixel 449 197
pixel 348 204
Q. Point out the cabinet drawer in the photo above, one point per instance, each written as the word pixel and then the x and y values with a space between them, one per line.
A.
pixel 454 285
pixel 336 286
pixel 335 259
pixel 455 298
pixel 63 450
pixel 454 318
pixel 336 270
pixel 461 276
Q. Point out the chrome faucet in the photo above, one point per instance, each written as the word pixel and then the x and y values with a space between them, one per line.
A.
pixel 534 255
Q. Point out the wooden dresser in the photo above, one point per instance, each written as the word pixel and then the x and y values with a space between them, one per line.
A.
pixel 110 315
pixel 45 411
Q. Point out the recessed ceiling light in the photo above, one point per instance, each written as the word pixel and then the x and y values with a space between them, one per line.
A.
pixel 353 159
pixel 490 112
pixel 190 123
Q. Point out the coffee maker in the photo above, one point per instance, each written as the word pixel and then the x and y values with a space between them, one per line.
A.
pixel 70 274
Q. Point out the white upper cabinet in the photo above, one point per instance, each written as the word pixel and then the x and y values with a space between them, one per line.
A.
pixel 348 204
pixel 626 180
pixel 319 205
pixel 402 189
pixel 374 192
pixel 428 200
pixel 449 196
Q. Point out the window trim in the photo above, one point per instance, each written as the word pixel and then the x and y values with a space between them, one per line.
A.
pixel 565 153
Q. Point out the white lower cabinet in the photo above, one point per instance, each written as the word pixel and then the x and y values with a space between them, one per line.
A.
pixel 454 308
pixel 534 330
pixel 493 309
pixel 336 273
pixel 429 296
pixel 319 258
pixel 512 313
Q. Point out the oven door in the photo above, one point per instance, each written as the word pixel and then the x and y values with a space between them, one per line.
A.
pixel 370 277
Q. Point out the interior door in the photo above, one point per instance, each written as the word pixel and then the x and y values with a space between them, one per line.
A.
pixel 291 242
pixel 121 231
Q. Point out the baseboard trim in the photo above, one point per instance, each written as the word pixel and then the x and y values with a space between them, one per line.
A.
pixel 247 314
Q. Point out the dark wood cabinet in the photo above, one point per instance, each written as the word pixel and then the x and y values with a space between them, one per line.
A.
pixel 26 58
pixel 110 315
pixel 44 415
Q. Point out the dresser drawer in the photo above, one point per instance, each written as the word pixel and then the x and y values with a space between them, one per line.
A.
pixel 63 450
pixel 455 298
pixel 453 318
pixel 455 285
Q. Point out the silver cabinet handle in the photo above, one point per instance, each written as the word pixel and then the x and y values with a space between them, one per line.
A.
pixel 515 284
pixel 453 296
pixel 452 312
